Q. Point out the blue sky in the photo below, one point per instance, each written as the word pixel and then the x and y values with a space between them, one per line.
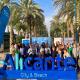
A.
pixel 49 10
pixel 47 6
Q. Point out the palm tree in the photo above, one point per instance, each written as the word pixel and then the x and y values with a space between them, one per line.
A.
pixel 66 10
pixel 78 11
pixel 14 19
pixel 56 27
pixel 4 2
pixel 38 22
pixel 27 9
pixel 32 14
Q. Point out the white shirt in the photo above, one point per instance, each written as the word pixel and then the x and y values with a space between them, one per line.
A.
pixel 30 51
pixel 74 52
pixel 41 50
pixel 22 51
pixel 47 50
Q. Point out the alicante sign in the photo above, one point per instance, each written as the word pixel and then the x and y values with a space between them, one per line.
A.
pixel 41 68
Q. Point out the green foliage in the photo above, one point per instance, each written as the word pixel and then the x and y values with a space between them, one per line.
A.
pixel 19 39
pixel 58 28
pixel 3 2
pixel 68 9
pixel 43 31
pixel 33 17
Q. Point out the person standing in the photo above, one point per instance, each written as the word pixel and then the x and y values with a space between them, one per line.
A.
pixel 53 51
pixel 2 58
pixel 22 50
pixel 59 52
pixel 78 56
pixel 32 50
pixel 74 51
pixel 47 50
pixel 66 54
pixel 69 49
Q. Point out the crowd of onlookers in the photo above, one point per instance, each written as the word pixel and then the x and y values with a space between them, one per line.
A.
pixel 45 50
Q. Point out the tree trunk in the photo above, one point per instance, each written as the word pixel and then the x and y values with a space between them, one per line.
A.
pixel 72 31
pixel 18 33
pixel 35 31
pixel 35 28
pixel 67 29
pixel 11 37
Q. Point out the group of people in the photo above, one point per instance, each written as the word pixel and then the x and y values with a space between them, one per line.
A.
pixel 44 50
